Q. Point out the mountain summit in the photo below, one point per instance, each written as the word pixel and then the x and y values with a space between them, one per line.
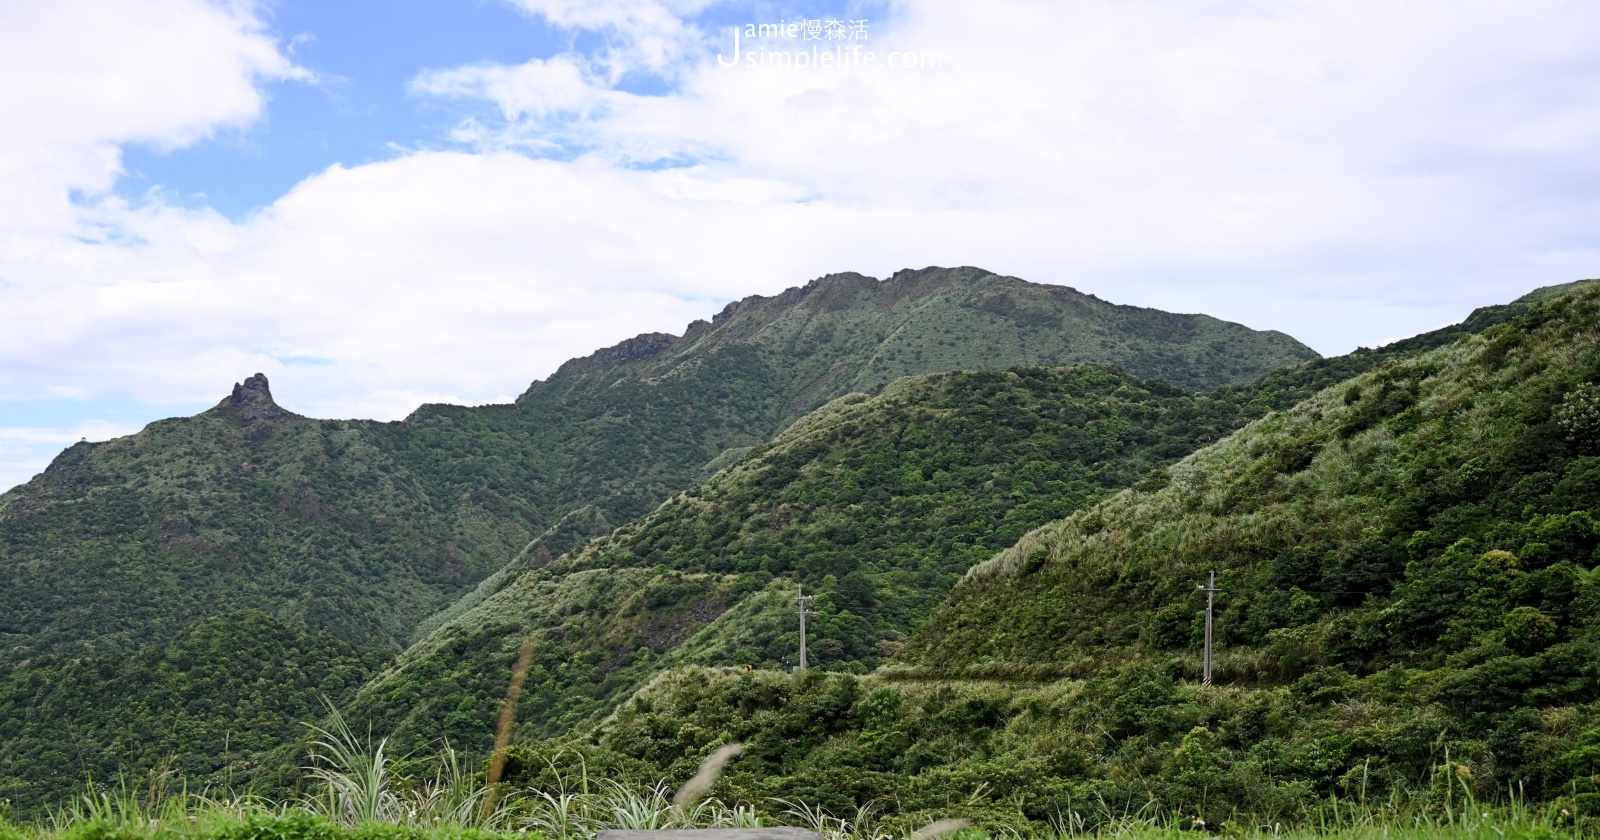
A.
pixel 853 332
pixel 250 402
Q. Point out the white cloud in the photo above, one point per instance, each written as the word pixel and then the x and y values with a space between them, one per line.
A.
pixel 1344 172
pixel 85 75
pixel 643 35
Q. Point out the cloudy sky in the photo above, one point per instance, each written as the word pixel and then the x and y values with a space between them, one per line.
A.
pixel 380 203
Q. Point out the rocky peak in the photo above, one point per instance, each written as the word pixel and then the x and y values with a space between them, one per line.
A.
pixel 253 390
pixel 251 401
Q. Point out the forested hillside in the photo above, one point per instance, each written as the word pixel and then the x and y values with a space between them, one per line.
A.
pixel 205 706
pixel 1409 565
pixel 1403 516
pixel 246 506
pixel 878 504
pixel 627 427
pixel 361 529
pixel 356 531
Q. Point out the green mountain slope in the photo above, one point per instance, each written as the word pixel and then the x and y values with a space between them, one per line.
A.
pixel 1411 553
pixel 239 683
pixel 876 503
pixel 628 426
pixel 1410 618
pixel 1370 506
pixel 245 506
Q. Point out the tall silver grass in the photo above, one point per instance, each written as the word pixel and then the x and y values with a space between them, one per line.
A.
pixel 354 774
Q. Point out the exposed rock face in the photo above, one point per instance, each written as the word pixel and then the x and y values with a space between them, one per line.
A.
pixel 636 349
pixel 251 401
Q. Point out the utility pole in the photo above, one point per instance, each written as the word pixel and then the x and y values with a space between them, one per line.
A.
pixel 805 609
pixel 1211 591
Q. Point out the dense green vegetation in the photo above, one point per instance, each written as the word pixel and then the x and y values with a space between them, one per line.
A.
pixel 347 534
pixel 1032 759
pixel 1409 625
pixel 359 530
pixel 1409 557
pixel 246 506
pixel 239 683
pixel 1383 495
pixel 814 747
pixel 878 504
pixel 356 794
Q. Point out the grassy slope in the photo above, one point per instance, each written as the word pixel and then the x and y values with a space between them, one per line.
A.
pixel 1020 757
pixel 1410 617
pixel 1409 562
pixel 881 503
pixel 1375 499
pixel 876 503
pixel 983 734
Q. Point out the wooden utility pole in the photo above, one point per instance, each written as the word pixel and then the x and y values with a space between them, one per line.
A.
pixel 1211 591
pixel 804 601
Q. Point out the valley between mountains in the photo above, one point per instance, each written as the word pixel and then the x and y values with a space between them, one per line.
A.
pixel 1002 494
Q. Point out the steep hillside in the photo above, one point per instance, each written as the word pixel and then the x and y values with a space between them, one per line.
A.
pixel 632 424
pixel 238 683
pixel 1412 552
pixel 1409 562
pixel 1394 519
pixel 356 531
pixel 245 506
pixel 877 504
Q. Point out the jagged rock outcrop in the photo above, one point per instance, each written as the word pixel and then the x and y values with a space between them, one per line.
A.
pixel 251 401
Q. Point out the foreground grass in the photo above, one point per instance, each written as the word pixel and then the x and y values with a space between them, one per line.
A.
pixel 259 821
pixel 357 794
pixel 442 811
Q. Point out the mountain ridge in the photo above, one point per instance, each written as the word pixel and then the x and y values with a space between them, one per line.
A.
pixel 847 290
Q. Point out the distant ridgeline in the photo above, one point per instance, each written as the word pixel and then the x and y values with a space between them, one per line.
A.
pixel 345 540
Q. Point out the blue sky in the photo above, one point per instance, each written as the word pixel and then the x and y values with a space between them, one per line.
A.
pixel 384 204
pixel 356 111
pixel 359 107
